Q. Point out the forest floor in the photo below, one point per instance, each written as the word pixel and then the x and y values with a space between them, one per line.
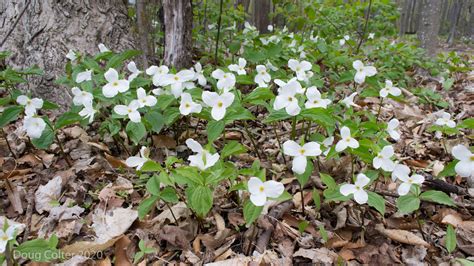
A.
pixel 99 180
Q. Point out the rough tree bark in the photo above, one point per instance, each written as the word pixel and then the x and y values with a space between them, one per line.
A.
pixel 178 21
pixel 144 28
pixel 49 28
pixel 429 26
pixel 454 19
pixel 262 9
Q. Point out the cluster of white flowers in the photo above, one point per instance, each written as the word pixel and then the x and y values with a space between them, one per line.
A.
pixel 32 124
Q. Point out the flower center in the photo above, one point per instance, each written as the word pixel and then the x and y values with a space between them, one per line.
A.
pixel 290 99
pixel 84 93
pixel 315 101
pixel 302 151
pixel 357 187
pixel 28 102
pixel 187 105
pixel 176 78
pixel 262 73
pixel 220 104
pixel 129 110
pixel 472 158
pixel 298 68
pixel 410 181
pixel 348 139
pixel 225 76
pixel 115 83
pixel 4 238
pixel 261 188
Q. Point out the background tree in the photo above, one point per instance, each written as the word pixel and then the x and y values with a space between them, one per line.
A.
pixel 42 32
pixel 430 24
pixel 178 22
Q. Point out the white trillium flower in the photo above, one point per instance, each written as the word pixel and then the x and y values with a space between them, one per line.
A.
pixel 103 48
pixel 218 103
pixel 293 43
pixel 158 74
pixel 199 74
pixel 389 89
pixel 314 38
pixel 84 76
pixel 145 100
pixel 270 66
pixel 33 126
pixel 299 68
pixel 260 191
pixel 382 160
pixel 131 111
pixel 265 41
pixel 315 100
pixel 225 81
pixel 286 98
pixel 132 67
pixel 362 71
pixel 138 161
pixel 81 97
pixel 300 153
pixel 262 77
pixel 248 28
pixel 203 159
pixel 371 35
pixel 327 142
pixel 344 39
pixel 465 166
pixel 270 27
pixel 5 236
pixel 445 120
pixel 392 129
pixel 349 100
pixel 177 81
pixel 71 55
pixel 291 83
pixel 88 112
pixel 31 105
pixel 402 172
pixel 357 189
pixel 187 105
pixel 114 85
pixel 346 140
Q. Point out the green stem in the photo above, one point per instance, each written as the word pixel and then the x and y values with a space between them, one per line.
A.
pixel 66 157
pixel 252 140
pixel 293 128
pixel 302 199
pixel 367 17
pixel 380 109
pixel 8 144
pixel 279 142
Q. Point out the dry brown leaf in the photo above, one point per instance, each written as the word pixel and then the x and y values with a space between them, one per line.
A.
pixel 121 257
pixel 114 161
pixel 108 225
pixel 163 141
pixel 402 236
pixel 175 236
pixel 220 223
pixel 47 194
pixel 180 210
pixel 317 255
pixel 88 247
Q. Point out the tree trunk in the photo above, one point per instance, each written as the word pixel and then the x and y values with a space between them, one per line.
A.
pixel 178 21
pixel 454 19
pixel 49 28
pixel 429 26
pixel 145 31
pixel 262 9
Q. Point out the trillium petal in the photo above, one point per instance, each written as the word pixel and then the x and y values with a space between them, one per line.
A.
pixel 383 93
pixel 291 148
pixel 135 161
pixel 341 145
pixel 227 98
pixel 218 113
pixel 109 91
pixel 217 74
pixel 134 116
pixel 280 102
pixel 258 199
pixel 186 75
pixel 465 168
pixel 403 189
pixel 377 162
pixel 299 164
pixel 254 185
pixel 418 179
pixel 111 75
pixel 345 132
pixel 121 109
pixel 273 189
pixel 151 70
pixel 461 152
pixel 361 180
pixel 312 149
pixel 370 71
pixel 395 91
pixel 361 197
pixel 388 165
pixel 387 151
pixel 211 160
pixel 209 98
pixel 359 77
pixel 22 99
pixel 394 134
pixel 293 64
pixel 194 145
pixel 293 108
pixel 141 93
pixel 393 124
pixel 357 65
pixel 313 93
pixel 74 90
pixel 347 189
pixel 353 143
